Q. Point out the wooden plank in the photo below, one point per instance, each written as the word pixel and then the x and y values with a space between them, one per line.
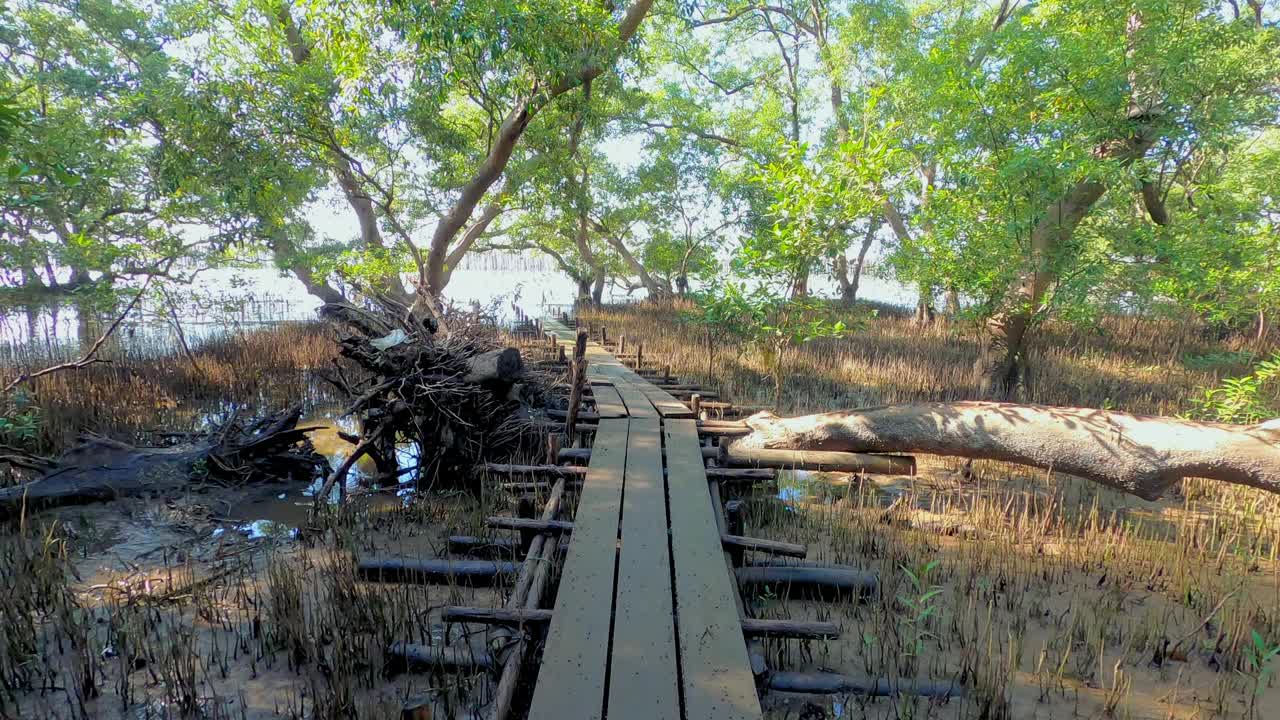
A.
pixel 608 401
pixel 717 678
pixel 642 673
pixel 638 404
pixel 571 679
pixel 666 404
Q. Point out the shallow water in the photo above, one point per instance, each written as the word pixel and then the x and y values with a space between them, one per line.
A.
pixel 225 301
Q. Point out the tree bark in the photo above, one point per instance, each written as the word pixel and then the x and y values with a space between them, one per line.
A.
pixel 1001 366
pixel 656 291
pixel 849 282
pixel 597 286
pixel 1140 455
pixel 344 171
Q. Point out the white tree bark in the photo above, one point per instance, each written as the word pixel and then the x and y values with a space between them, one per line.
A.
pixel 1140 455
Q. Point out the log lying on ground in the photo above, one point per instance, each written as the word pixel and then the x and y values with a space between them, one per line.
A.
pixel 761 545
pixel 1141 455
pixel 472 573
pixel 739 456
pixel 409 656
pixel 790 580
pixel 824 683
pixel 510 617
pixel 793 629
pixel 100 469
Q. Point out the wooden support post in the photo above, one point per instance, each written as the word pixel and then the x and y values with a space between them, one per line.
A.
pixel 537 525
pixel 807 582
pixel 695 404
pixel 525 508
pixel 639 355
pixel 476 573
pixel 553 449
pixel 733 511
pixel 604 335
pixel 666 373
pixel 575 393
pixel 560 354
pixel 622 344
pixel 527 595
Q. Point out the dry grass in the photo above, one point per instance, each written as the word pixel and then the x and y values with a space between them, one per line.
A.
pixel 1123 363
pixel 1058 598
pixel 143 389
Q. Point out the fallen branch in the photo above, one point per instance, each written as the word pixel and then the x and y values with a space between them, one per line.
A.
pixel 1140 455
pixel 100 469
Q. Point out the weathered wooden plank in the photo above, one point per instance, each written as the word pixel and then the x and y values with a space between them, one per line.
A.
pixel 717 677
pixel 571 681
pixel 667 405
pixel 642 674
pixel 638 404
pixel 608 401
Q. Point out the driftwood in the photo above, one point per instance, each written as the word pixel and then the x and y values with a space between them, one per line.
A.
pixel 100 469
pixel 502 365
pixel 1140 455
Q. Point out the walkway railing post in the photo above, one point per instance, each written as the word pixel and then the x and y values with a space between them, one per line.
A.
pixel 575 393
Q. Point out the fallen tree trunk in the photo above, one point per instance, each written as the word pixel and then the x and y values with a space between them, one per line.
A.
pixel 100 469
pixel 1140 455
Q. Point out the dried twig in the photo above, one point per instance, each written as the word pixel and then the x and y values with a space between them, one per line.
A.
pixel 91 356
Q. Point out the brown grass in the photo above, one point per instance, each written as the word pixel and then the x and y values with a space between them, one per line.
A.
pixel 1123 363
pixel 143 390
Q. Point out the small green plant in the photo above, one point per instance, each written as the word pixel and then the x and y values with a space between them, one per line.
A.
pixel 1246 399
pixel 1257 656
pixel 921 605
pixel 722 313
pixel 19 421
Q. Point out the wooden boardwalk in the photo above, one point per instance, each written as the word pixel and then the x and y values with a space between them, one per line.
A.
pixel 645 624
